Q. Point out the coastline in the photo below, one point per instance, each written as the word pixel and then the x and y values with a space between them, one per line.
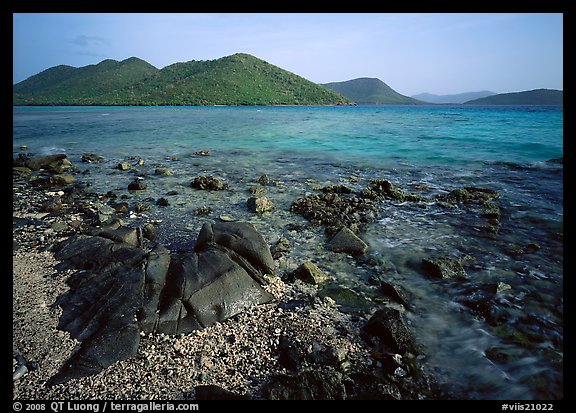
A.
pixel 240 355
pixel 495 219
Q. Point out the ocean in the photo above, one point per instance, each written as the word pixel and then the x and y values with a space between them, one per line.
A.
pixel 512 350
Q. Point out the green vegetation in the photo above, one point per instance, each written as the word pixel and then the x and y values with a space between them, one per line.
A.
pixel 370 90
pixel 530 97
pixel 240 79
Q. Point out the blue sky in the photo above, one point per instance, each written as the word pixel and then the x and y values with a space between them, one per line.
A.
pixel 413 53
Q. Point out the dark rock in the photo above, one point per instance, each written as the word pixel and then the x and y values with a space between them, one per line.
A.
pixel 257 190
pixel 163 171
pixel 292 304
pixel 203 211
pixel 162 202
pixel 130 236
pixel 307 385
pixel 264 180
pixel 556 160
pixel 394 292
pixel 468 195
pixel 137 185
pixel 282 246
pixel 388 325
pixel 336 210
pixel 172 193
pixel 382 189
pixel 21 171
pixel 443 267
pixel 53 204
pixel 213 392
pixel 364 386
pixel 61 179
pixel 141 207
pixel 121 207
pixel 110 195
pixel 52 163
pixel 347 242
pixel 289 357
pixel 259 205
pixel 337 189
pixel 149 232
pixel 124 166
pixel 311 274
pixel 124 289
pixel 91 157
pixel 208 183
pixel 348 300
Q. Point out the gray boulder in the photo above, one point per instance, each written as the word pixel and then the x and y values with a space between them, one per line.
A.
pixel 347 242
pixel 388 325
pixel 121 289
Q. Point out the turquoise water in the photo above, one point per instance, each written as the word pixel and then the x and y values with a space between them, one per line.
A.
pixel 370 134
pixel 443 147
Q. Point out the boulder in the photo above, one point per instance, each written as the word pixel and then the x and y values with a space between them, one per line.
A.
pixel 122 289
pixel 388 325
pixel 394 292
pixel 137 185
pixel 443 267
pixel 307 385
pixel 61 179
pixel 311 274
pixel 91 157
pixel 52 163
pixel 163 171
pixel 347 242
pixel 124 166
pixel 208 183
pixel 259 205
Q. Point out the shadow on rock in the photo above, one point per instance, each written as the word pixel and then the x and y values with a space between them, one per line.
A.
pixel 122 289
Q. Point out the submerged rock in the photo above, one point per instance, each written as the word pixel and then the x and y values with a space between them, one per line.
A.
pixel 259 205
pixel 137 185
pixel 124 166
pixel 163 172
pixel 347 242
pixel 208 183
pixel 443 267
pixel 91 157
pixel 121 289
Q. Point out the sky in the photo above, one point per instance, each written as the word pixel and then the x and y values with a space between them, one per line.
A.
pixel 440 53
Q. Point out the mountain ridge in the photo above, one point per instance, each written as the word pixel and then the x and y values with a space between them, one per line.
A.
pixel 370 90
pixel 527 97
pixel 238 79
pixel 452 98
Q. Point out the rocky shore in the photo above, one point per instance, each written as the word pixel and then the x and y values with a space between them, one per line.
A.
pixel 293 343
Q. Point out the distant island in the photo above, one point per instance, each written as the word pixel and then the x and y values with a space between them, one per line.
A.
pixel 239 79
pixel 370 90
pixel 529 97
pixel 452 99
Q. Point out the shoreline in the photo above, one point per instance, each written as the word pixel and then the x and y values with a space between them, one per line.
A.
pixel 48 208
pixel 241 355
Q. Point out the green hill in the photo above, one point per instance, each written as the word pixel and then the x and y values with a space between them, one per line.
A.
pixel 530 97
pixel 240 79
pixel 370 90
pixel 66 85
